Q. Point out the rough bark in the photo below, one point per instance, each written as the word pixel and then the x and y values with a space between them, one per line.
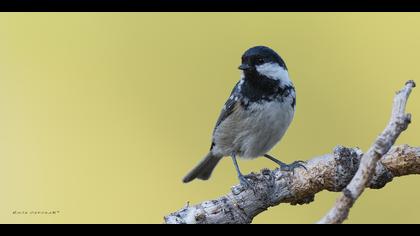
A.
pixel 330 172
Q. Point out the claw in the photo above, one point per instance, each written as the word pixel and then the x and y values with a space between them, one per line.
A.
pixel 300 164
pixel 293 166
pixel 285 167
pixel 244 182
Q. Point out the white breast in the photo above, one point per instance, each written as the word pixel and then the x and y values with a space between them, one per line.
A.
pixel 253 132
pixel 264 129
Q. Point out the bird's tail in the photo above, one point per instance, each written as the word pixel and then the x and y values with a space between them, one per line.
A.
pixel 204 169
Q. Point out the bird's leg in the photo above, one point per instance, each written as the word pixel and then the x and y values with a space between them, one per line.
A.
pixel 244 182
pixel 286 167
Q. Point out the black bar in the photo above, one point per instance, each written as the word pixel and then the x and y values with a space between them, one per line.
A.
pixel 206 5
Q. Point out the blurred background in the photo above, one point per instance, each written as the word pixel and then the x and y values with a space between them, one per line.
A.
pixel 102 114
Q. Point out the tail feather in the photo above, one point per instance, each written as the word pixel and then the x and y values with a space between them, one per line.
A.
pixel 204 169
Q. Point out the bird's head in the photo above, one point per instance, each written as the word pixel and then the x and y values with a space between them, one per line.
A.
pixel 261 61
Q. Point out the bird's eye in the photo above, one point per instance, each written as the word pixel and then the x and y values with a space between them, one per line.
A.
pixel 260 61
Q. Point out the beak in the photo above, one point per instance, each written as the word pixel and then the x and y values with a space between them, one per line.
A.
pixel 244 67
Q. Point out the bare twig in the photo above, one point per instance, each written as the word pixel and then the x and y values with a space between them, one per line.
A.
pixel 332 172
pixel 398 123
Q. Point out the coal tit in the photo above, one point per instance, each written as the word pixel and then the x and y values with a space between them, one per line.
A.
pixel 255 117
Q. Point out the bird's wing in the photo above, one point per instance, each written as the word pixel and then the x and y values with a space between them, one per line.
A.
pixel 229 105
pixel 228 108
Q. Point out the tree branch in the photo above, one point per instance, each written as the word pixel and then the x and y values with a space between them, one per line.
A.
pixel 398 123
pixel 332 172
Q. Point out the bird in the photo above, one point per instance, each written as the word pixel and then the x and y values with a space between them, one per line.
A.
pixel 255 117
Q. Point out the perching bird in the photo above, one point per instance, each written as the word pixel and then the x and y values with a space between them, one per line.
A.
pixel 255 117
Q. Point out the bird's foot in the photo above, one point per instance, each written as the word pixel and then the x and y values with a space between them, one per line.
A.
pixel 244 185
pixel 286 167
pixel 244 182
pixel 293 166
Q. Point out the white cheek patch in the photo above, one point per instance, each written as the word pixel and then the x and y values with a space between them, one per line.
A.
pixel 274 71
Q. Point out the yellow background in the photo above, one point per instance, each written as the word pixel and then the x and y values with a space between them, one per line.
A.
pixel 102 114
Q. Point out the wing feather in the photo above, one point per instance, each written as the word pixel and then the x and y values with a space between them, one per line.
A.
pixel 229 106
